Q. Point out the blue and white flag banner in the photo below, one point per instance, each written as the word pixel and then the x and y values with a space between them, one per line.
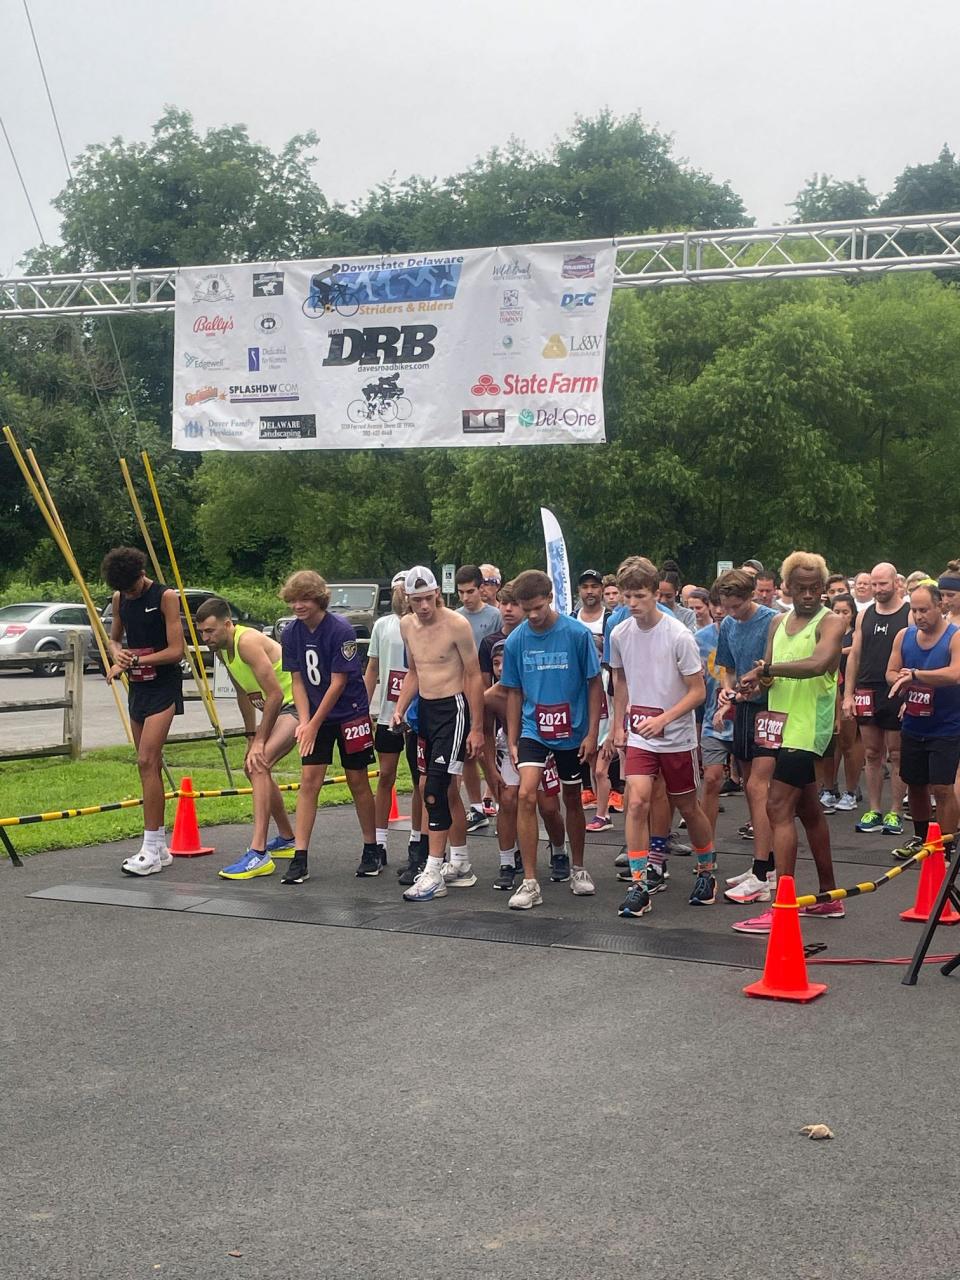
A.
pixel 460 349
pixel 558 568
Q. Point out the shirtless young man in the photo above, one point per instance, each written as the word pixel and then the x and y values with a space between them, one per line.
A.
pixel 445 673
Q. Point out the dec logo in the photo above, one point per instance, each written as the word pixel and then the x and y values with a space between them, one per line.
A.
pixel 408 344
pixel 578 301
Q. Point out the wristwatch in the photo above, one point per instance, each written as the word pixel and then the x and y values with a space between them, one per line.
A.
pixel 765 670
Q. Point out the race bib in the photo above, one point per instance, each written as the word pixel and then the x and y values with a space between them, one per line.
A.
pixel 421 755
pixel 768 729
pixel 394 685
pixel 553 720
pixel 256 700
pixel 863 702
pixel 919 700
pixel 356 735
pixel 549 778
pixel 144 671
pixel 637 716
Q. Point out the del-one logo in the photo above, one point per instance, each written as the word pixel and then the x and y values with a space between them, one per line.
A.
pixel 556 417
pixel 209 325
pixel 558 384
pixel 409 344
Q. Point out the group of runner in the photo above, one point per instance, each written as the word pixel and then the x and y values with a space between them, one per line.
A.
pixel 644 702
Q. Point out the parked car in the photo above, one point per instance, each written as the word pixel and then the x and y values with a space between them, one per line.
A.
pixel 361 603
pixel 45 628
pixel 195 598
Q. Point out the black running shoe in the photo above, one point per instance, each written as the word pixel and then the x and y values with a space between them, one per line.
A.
pixel 908 848
pixel 370 864
pixel 746 831
pixel 476 820
pixel 636 903
pixel 416 861
pixel 297 871
pixel 382 848
pixel 506 879
pixel 559 868
pixel 704 891
pixel 656 880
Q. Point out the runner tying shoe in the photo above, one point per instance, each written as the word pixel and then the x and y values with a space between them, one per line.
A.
pixel 445 676
pixel 867 696
pixel 320 650
pixel 387 664
pixel 254 663
pixel 146 643
pixel 800 672
pixel 552 677
pixel 657 684
pixel 924 668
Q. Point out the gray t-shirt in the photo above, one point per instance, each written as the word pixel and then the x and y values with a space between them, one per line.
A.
pixel 482 622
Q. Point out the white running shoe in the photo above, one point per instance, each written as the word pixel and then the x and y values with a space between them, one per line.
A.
pixel 582 884
pixel 828 801
pixel 744 875
pixel 166 857
pixel 847 802
pixel 458 875
pixel 527 896
pixel 752 889
pixel 427 886
pixel 144 863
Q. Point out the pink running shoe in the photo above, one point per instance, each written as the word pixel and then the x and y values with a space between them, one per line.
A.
pixel 756 924
pixel 599 824
pixel 832 910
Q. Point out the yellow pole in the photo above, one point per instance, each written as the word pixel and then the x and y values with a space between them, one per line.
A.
pixel 67 553
pixel 172 557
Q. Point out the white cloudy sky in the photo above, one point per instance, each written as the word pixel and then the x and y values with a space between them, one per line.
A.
pixel 762 93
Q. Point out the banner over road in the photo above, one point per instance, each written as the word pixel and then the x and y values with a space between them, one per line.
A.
pixel 473 348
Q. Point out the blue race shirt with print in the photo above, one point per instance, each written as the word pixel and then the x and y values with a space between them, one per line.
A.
pixel 552 669
pixel 706 639
pixel 317 655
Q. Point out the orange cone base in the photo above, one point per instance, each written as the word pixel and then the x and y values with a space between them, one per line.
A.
pixel 947 915
pixel 763 988
pixel 188 853
pixel 932 871
pixel 395 814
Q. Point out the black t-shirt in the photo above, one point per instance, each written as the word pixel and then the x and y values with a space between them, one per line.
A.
pixel 877 634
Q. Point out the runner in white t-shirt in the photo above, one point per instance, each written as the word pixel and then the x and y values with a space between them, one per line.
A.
pixel 658 684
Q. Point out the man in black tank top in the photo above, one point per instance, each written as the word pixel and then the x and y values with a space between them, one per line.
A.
pixel 866 696
pixel 146 642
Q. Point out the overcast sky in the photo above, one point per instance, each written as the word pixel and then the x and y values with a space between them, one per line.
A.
pixel 761 93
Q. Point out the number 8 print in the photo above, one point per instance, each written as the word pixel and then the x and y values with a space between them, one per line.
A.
pixel 313 666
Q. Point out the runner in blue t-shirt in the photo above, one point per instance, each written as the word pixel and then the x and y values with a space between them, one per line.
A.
pixel 552 677
pixel 715 744
pixel 320 649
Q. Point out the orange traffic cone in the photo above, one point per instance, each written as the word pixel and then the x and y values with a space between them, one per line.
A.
pixel 186 833
pixel 932 871
pixel 395 814
pixel 785 968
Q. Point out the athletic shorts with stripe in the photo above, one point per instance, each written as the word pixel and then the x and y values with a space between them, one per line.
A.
pixel 444 724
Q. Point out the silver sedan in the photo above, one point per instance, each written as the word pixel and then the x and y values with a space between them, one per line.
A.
pixel 44 628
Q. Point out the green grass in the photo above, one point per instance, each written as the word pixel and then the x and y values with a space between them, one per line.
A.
pixel 110 774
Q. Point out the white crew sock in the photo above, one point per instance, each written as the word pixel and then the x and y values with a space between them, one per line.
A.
pixel 508 857
pixel 153 841
pixel 434 864
pixel 382 833
pixel 459 854
pixel 415 834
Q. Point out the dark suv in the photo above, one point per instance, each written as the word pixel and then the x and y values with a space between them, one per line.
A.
pixel 195 598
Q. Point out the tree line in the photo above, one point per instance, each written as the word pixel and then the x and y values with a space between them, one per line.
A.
pixel 743 419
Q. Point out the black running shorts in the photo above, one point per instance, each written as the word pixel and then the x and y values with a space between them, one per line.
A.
pixel 444 725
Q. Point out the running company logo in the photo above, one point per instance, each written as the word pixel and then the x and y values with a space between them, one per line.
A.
pixel 264 392
pixel 483 421
pixel 555 348
pixel 193 430
pixel 386 345
pixel 297 426
pixel 515 269
pixel 213 287
pixel 578 267
pixel 203 395
pixel 192 361
pixel 511 315
pixel 268 323
pixel 511 298
pixel 268 284
pixel 557 384
pixel 211 326
pixel 572 302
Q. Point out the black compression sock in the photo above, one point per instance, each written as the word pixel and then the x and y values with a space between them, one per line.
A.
pixel 762 867
pixel 920 827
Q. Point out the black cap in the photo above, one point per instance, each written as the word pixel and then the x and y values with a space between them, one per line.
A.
pixel 588 574
pixel 753 564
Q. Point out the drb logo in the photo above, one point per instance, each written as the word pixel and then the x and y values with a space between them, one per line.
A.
pixel 578 301
pixel 410 344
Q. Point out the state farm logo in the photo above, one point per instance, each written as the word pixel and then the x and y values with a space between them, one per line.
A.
pixel 209 325
pixel 214 287
pixel 203 395
pixel 557 384
pixel 578 267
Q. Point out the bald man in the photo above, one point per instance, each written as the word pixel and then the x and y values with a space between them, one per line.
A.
pixel 866 697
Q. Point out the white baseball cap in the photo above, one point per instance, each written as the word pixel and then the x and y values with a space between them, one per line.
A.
pixel 399 579
pixel 419 581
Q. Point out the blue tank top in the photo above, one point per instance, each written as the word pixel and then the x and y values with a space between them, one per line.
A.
pixel 930 713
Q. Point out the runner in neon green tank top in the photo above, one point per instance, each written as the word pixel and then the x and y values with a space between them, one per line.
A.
pixel 254 663
pixel 800 670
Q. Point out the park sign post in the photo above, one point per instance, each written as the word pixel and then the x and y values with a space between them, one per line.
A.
pixel 468 348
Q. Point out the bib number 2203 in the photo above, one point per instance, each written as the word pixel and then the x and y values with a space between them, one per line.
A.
pixel 357 734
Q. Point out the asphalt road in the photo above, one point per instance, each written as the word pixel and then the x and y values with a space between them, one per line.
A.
pixel 345 1102
pixel 101 724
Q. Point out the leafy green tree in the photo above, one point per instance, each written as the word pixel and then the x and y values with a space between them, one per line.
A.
pixel 926 188
pixel 823 198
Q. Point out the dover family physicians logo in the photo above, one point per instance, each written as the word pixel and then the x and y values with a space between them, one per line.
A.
pixel 213 287
pixel 193 430
pixel 578 267
pixel 267 284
